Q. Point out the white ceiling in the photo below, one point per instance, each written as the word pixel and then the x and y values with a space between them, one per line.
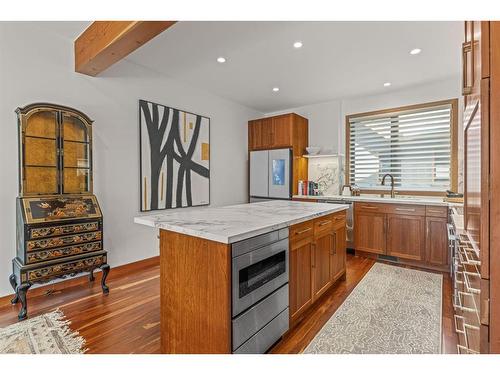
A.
pixel 337 60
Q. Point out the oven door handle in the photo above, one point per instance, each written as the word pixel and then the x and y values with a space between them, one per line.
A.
pixel 256 256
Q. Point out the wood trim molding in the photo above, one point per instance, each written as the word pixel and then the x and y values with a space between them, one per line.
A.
pixel 453 141
pixel 104 43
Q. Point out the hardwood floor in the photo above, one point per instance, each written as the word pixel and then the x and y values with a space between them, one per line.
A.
pixel 128 319
pixel 125 321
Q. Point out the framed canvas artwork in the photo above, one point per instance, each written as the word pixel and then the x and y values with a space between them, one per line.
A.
pixel 174 157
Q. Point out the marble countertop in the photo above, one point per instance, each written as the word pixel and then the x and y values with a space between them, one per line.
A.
pixel 435 201
pixel 235 223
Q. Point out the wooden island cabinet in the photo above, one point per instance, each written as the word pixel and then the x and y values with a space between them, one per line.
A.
pixel 317 260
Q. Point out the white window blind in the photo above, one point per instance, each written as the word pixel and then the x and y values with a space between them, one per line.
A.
pixel 414 146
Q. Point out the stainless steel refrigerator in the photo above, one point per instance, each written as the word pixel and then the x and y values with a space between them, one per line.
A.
pixel 271 174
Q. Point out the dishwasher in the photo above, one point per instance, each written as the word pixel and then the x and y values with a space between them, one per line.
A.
pixel 349 220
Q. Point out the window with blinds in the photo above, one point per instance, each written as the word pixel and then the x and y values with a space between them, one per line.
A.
pixel 414 146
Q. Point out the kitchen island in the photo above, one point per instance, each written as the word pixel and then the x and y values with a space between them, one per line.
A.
pixel 200 252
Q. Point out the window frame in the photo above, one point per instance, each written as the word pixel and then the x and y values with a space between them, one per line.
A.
pixel 453 144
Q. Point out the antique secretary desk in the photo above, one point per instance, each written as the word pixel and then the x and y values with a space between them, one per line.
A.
pixel 59 222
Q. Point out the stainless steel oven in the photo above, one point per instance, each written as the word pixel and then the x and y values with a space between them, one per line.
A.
pixel 260 291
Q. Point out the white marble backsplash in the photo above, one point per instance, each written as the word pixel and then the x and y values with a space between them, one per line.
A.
pixel 327 173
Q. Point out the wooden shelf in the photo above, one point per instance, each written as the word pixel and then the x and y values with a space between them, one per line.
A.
pixel 322 156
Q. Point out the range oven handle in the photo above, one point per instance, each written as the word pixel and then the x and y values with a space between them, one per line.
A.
pixel 259 254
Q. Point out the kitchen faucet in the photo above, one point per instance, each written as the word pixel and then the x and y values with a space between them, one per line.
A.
pixel 393 193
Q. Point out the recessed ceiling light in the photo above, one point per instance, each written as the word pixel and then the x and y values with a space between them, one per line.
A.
pixel 276 89
pixel 297 44
pixel 415 51
pixel 387 84
pixel 221 60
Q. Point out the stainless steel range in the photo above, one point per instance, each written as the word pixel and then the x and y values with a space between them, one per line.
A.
pixel 259 291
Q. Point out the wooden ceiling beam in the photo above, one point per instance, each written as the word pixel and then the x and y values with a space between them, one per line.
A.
pixel 104 43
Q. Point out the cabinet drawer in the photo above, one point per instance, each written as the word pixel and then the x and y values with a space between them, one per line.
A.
pixel 436 211
pixel 405 209
pixel 339 220
pixel 301 230
pixel 369 207
pixel 61 230
pixel 48 243
pixel 54 270
pixel 323 224
pixel 51 254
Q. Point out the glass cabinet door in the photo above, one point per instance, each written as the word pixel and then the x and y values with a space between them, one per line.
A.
pixel 76 158
pixel 40 169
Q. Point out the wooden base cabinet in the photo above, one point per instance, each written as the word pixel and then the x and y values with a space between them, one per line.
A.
pixel 405 236
pixel 369 233
pixel 301 294
pixel 338 256
pixel 317 260
pixel 436 241
pixel 414 234
pixel 323 246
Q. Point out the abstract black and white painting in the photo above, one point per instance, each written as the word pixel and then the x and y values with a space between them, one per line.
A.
pixel 175 157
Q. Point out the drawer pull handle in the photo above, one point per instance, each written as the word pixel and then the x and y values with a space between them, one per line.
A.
pixel 324 222
pixel 303 231
pixel 334 243
pixel 313 262
pixel 405 209
pixel 369 207
pixel 435 211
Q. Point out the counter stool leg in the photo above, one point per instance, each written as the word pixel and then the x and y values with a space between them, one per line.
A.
pixel 12 279
pixel 21 292
pixel 105 270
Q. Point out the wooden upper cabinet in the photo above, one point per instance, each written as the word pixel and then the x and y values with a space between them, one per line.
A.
pixel 475 58
pixel 369 233
pixel 289 130
pixel 260 134
pixel 406 236
pixel 436 247
pixel 282 130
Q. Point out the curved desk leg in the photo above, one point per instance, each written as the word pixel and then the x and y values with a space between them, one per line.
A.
pixel 105 271
pixel 21 293
pixel 12 280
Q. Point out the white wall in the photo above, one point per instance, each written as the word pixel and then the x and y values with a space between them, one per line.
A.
pixel 37 65
pixel 327 120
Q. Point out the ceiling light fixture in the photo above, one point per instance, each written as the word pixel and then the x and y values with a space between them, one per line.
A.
pixel 387 84
pixel 297 44
pixel 221 60
pixel 276 89
pixel 415 51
